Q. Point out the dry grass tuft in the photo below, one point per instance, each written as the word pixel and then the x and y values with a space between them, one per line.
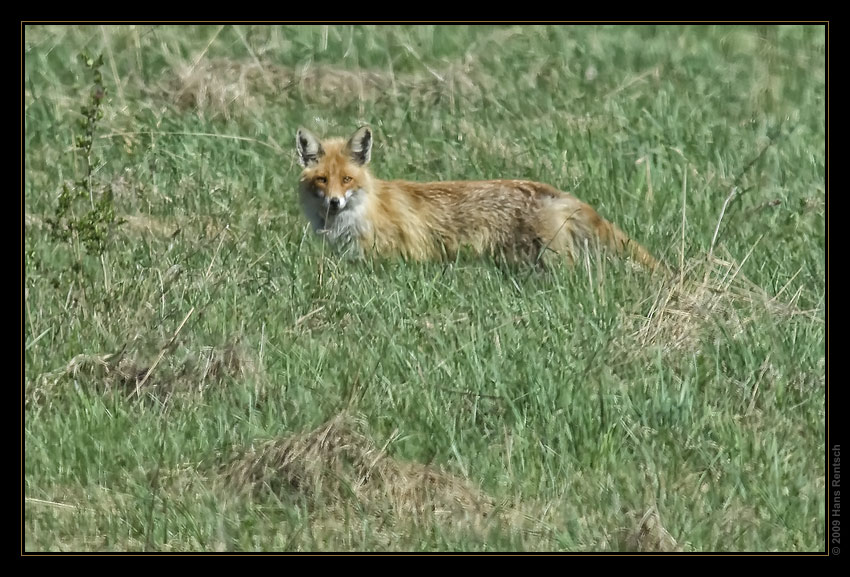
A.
pixel 146 225
pixel 120 373
pixel 229 361
pixel 230 87
pixel 647 534
pixel 105 372
pixel 349 483
pixel 710 296
pixel 338 467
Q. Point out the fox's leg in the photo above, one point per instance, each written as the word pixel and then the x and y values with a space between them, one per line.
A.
pixel 537 254
pixel 521 256
pixel 514 264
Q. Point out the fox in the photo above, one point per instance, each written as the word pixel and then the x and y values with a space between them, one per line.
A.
pixel 520 220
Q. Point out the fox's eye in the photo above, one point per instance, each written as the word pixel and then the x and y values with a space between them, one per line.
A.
pixel 321 180
pixel 346 179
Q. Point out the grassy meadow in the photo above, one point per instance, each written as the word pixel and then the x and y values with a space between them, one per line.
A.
pixel 203 373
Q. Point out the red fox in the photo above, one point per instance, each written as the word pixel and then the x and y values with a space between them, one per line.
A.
pixel 518 219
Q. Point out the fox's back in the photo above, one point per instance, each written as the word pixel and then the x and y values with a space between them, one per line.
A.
pixel 490 215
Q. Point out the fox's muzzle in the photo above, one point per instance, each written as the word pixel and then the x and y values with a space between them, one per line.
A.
pixel 337 203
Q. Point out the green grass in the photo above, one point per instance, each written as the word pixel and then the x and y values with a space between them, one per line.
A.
pixel 575 400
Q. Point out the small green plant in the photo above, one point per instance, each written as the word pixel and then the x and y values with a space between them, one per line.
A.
pixel 93 225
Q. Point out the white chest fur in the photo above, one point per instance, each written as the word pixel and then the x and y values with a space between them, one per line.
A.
pixel 344 227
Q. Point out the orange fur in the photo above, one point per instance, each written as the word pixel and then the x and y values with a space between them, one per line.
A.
pixel 517 218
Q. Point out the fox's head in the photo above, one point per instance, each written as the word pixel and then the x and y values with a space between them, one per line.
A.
pixel 335 172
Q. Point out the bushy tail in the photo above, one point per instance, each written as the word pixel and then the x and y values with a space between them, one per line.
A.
pixel 618 241
pixel 579 227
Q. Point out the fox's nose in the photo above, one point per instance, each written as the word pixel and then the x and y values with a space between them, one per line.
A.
pixel 334 202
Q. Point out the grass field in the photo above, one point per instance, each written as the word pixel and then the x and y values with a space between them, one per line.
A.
pixel 212 377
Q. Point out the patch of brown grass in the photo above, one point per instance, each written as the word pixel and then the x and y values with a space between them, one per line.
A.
pixel 345 478
pixel 125 374
pixel 149 225
pixel 709 294
pixel 230 87
pixel 645 533
pixel 229 361
pixel 338 468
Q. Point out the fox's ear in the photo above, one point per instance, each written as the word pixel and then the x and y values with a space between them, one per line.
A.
pixel 360 145
pixel 309 147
